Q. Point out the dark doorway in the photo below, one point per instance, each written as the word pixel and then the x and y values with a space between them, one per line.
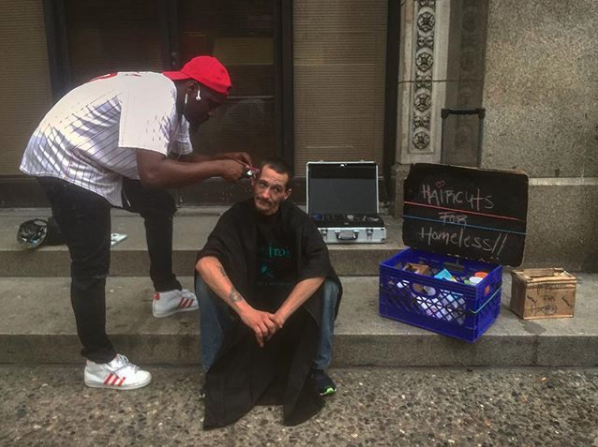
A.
pixel 241 35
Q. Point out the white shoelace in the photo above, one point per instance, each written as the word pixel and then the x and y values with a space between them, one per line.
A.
pixel 124 364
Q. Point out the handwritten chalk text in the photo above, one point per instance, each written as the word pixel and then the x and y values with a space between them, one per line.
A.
pixel 454 198
pixel 458 238
pixel 449 217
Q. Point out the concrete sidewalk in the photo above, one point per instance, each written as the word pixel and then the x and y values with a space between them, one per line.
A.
pixel 396 407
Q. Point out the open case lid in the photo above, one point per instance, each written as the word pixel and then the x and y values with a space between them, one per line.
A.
pixel 342 187
pixel 476 214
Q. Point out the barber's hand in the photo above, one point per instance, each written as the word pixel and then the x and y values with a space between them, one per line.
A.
pixel 242 157
pixel 260 323
pixel 231 170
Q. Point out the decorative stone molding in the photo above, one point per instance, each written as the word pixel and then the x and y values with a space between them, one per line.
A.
pixel 422 104
pixel 424 62
pixel 423 56
pixel 434 32
pixel 421 140
pixel 426 20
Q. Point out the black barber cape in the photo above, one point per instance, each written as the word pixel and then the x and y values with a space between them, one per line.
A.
pixel 245 374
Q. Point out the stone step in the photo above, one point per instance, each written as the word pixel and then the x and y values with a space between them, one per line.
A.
pixel 191 229
pixel 38 327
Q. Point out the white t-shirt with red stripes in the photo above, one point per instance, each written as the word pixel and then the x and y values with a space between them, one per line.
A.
pixel 89 137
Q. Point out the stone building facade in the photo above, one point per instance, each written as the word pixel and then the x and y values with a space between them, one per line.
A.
pixel 350 79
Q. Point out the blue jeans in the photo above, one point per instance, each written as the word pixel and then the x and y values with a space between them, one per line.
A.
pixel 215 319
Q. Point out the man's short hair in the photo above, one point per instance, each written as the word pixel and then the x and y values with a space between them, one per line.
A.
pixel 279 166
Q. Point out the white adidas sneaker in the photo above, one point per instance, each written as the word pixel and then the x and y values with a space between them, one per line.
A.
pixel 118 374
pixel 173 301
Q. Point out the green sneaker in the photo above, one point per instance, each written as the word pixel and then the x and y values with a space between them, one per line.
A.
pixel 323 382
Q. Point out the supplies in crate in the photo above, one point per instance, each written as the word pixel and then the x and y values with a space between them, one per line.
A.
pixel 447 306
pixel 443 306
pixel 451 296
pixel 420 269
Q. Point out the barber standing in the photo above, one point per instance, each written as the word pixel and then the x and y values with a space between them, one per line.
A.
pixel 119 141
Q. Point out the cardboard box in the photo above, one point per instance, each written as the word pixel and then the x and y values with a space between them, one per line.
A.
pixel 543 293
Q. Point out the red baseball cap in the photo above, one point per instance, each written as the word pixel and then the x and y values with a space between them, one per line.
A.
pixel 205 69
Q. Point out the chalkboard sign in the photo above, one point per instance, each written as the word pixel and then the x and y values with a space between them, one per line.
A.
pixel 476 214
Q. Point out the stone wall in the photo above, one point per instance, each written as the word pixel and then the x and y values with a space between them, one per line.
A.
pixel 541 87
pixel 533 66
pixel 541 97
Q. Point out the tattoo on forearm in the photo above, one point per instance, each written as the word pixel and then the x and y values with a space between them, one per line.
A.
pixel 223 272
pixel 234 296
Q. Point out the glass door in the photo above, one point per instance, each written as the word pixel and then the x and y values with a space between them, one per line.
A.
pixel 241 36
pixel 109 36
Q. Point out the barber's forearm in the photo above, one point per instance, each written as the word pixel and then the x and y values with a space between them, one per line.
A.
pixel 175 174
pixel 214 275
pixel 192 158
pixel 300 294
pixel 158 171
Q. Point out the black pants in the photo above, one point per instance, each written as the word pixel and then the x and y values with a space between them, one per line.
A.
pixel 84 220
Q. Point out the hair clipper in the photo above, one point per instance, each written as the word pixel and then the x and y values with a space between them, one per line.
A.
pixel 250 172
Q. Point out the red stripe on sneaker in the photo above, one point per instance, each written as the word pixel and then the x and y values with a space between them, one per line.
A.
pixel 114 380
pixel 108 378
pixel 121 381
pixel 156 296
pixel 188 303
pixel 181 303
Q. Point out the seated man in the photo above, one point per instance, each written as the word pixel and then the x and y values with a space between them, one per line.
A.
pixel 268 296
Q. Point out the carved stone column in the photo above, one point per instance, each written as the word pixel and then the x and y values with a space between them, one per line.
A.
pixel 441 65
pixel 422 86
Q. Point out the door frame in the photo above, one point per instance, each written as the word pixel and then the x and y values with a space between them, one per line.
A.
pixel 393 36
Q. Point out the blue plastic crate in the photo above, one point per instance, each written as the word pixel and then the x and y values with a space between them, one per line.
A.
pixel 450 308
